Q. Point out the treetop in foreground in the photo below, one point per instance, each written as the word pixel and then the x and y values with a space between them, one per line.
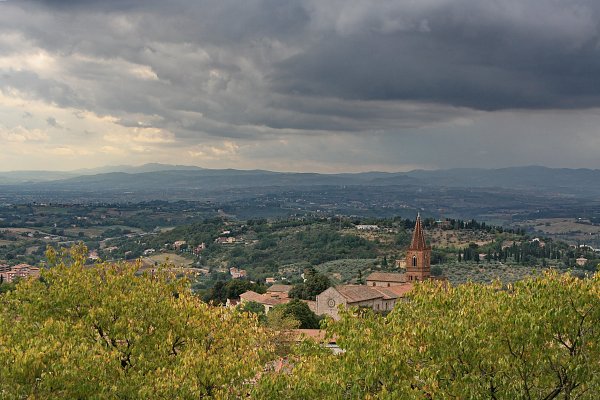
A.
pixel 536 339
pixel 107 332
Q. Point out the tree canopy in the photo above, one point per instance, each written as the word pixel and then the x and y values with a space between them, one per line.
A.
pixel 231 289
pixel 315 284
pixel 299 311
pixel 536 339
pixel 107 332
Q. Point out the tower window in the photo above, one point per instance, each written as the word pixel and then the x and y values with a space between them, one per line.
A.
pixel 414 261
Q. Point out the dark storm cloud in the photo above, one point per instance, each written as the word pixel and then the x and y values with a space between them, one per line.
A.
pixel 465 53
pixel 476 54
pixel 40 88
pixel 112 5
pixel 259 70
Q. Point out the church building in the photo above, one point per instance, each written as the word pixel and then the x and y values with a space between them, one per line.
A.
pixel 383 289
pixel 418 256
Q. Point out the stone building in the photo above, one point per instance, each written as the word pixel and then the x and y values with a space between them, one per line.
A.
pixel 418 256
pixel 266 301
pixel 581 261
pixel 279 291
pixel 21 271
pixel 386 279
pixel 377 298
pixel 383 289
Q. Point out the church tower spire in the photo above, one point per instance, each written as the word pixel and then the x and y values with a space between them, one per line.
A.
pixel 418 239
pixel 418 255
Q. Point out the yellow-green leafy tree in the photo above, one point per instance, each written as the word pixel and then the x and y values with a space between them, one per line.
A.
pixel 536 339
pixel 108 332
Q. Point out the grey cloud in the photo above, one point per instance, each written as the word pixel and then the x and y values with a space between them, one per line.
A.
pixel 131 123
pixel 263 69
pixel 39 88
pixel 51 121
pixel 475 54
pixel 472 54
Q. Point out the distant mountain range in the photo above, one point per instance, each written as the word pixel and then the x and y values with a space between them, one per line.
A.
pixel 152 167
pixel 13 177
pixel 542 180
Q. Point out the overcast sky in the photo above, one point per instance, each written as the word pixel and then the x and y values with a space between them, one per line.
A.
pixel 300 85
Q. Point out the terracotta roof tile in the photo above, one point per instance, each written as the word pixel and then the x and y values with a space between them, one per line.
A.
pixel 387 277
pixel 315 334
pixel 251 296
pixel 280 288
pixel 394 292
pixel 259 298
pixel 358 293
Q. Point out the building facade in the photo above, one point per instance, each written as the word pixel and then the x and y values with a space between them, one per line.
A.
pixel 382 289
pixel 378 298
pixel 418 256
pixel 385 279
pixel 21 271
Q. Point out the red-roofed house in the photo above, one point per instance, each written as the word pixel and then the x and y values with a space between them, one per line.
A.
pixel 378 298
pixel 279 291
pixel 20 271
pixel 383 289
pixel 268 302
pixel 386 279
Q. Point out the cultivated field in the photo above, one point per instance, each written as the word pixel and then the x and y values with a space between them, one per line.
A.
pixel 571 230
pixel 457 239
pixel 458 273
pixel 562 225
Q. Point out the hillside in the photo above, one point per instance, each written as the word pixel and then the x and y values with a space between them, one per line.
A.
pixel 581 182
pixel 504 197
pixel 283 249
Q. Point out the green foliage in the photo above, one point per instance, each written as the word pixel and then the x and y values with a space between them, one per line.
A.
pixel 299 311
pixel 231 289
pixel 340 271
pixel 527 253
pixel 254 308
pixel 316 244
pixel 7 287
pixel 281 321
pixel 315 284
pixel 486 272
pixel 107 332
pixel 403 238
pixel 436 270
pixel 536 339
pixel 438 256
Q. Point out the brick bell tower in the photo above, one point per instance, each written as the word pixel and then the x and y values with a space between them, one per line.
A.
pixel 418 256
